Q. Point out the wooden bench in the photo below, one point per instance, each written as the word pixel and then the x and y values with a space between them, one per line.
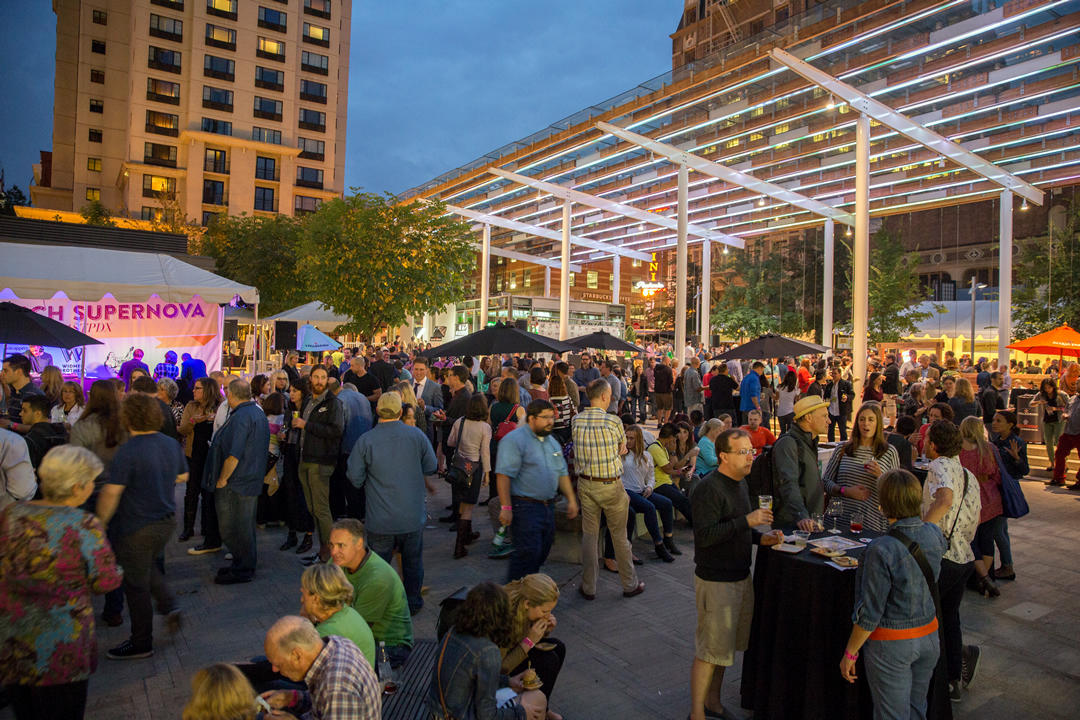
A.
pixel 413 680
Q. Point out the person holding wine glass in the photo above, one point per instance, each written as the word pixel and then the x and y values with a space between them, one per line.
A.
pixel 854 469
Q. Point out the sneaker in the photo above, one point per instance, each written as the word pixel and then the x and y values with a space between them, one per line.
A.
pixel 502 551
pixel 228 556
pixel 969 664
pixel 311 560
pixel 127 651
pixel 203 549
pixel 955 693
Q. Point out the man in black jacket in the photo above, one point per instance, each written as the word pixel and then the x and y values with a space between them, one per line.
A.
pixel 723 535
pixel 322 422
pixel 43 435
pixel 838 393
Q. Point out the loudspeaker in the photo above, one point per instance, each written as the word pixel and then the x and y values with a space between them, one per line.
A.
pixel 231 329
pixel 284 335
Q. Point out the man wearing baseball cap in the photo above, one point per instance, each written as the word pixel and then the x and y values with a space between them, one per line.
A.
pixel 796 474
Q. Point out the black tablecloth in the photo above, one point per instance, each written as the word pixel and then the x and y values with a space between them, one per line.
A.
pixel 802 620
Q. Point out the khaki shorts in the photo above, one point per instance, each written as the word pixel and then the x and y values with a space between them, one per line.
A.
pixel 663 401
pixel 724 611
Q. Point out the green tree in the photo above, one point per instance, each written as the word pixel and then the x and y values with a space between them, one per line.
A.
pixel 895 292
pixel 765 290
pixel 10 198
pixel 380 262
pixel 1046 278
pixel 173 218
pixel 266 252
pixel 94 213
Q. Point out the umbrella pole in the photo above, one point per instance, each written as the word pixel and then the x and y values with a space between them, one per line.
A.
pixel 82 366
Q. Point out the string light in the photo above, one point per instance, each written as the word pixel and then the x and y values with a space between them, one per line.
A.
pixel 1024 206
pixel 761 201
pixel 832 103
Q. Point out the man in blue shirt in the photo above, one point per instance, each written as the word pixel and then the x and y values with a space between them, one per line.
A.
pixel 750 390
pixel 235 469
pixel 191 369
pixel 529 473
pixel 390 462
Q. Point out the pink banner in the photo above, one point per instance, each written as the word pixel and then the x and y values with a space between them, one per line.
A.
pixel 154 326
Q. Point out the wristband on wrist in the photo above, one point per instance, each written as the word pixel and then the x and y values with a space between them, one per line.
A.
pixel 841 489
pixel 851 657
pixel 527 642
pixel 507 507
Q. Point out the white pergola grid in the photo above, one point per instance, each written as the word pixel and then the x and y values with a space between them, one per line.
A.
pixel 496 199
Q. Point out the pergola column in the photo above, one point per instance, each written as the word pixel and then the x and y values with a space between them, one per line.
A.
pixel 827 299
pixel 860 290
pixel 706 292
pixel 547 281
pixel 681 265
pixel 485 275
pixel 616 278
pixel 564 275
pixel 1005 253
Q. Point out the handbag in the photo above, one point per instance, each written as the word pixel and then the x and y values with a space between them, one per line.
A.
pixel 438 676
pixel 1013 501
pixel 508 425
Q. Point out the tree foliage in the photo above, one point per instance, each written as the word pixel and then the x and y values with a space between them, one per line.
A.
pixel 266 252
pixel 895 292
pixel 94 213
pixel 379 262
pixel 1046 277
pixel 11 197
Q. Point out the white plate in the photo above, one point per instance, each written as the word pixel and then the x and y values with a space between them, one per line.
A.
pixel 785 547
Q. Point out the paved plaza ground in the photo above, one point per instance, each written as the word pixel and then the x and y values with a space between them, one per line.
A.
pixel 627 658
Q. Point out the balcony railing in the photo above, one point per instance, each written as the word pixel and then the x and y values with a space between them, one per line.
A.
pixel 220 167
pixel 320 127
pixel 165 35
pixel 316 41
pixel 269 85
pixel 307 155
pixel 215 105
pixel 171 4
pixel 316 12
pixel 170 99
pixel 273 175
pixel 214 198
pixel 224 44
pixel 219 74
pixel 317 184
pixel 277 27
pixel 152 193
pixel 268 115
pixel 270 55
pixel 158 129
pixel 166 67
pixel 314 69
pixel 163 162
pixel 321 99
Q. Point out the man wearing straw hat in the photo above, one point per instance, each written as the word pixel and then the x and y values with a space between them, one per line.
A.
pixel 796 474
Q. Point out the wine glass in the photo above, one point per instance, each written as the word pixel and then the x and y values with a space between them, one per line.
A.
pixel 835 510
pixel 856 523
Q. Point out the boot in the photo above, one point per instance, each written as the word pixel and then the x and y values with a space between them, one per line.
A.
pixel 460 545
pixel 290 541
pixel 470 536
pixel 662 553
pixel 669 543
pixel 305 544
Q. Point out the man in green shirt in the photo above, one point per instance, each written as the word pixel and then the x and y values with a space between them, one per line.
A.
pixel 325 599
pixel 380 594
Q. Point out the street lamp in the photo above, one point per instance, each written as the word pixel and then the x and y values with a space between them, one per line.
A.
pixel 974 286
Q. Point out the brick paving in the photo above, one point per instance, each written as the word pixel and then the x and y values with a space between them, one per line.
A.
pixel 627 658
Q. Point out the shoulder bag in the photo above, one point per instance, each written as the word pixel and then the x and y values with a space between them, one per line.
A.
pixel 438 676
pixel 508 425
pixel 1013 502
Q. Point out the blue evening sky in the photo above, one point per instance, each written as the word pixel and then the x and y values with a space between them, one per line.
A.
pixel 432 85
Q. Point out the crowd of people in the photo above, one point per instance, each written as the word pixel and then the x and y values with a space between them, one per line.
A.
pixel 343 452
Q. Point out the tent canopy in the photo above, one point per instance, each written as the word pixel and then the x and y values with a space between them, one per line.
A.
pixel 314 313
pixel 311 339
pixel 87 274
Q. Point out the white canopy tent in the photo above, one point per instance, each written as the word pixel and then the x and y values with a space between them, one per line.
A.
pixel 314 313
pixel 83 273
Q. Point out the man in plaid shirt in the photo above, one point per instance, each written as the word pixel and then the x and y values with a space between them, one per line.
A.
pixel 599 442
pixel 341 684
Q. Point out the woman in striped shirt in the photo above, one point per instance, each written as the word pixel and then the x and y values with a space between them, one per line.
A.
pixel 853 471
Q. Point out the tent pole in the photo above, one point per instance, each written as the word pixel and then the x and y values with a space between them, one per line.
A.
pixel 82 366
pixel 255 343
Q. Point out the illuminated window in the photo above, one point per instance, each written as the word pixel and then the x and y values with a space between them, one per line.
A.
pixel 819 137
pixel 733 143
pixel 221 37
pixel 316 34
pixel 592 279
pixel 757 112
pixel 572 279
pixel 93 194
pixel 93 164
pixel 152 185
pixel 527 279
pixel 781 129
pixel 756 136
pixel 271 49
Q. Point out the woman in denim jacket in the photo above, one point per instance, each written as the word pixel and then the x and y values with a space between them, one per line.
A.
pixel 894 617
pixel 466 675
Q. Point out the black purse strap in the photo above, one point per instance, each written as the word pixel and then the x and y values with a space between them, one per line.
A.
pixel 924 565
pixel 959 509
pixel 438 675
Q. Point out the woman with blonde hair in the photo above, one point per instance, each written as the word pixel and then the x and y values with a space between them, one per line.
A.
pixel 854 468
pixel 963 401
pixel 984 462
pixel 532 598
pixel 70 407
pixel 326 597
pixel 52 380
pixel 220 692
pixel 408 397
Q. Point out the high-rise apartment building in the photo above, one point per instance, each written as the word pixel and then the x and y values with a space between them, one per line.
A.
pixel 709 25
pixel 209 106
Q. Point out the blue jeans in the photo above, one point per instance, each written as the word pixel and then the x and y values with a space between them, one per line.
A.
pixel 411 547
pixel 678 499
pixel 236 519
pixel 899 672
pixel 533 530
pixel 649 506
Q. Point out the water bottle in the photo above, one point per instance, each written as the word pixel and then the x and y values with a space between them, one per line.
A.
pixel 500 537
pixel 386 673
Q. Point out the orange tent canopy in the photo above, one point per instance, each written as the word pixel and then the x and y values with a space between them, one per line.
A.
pixel 1059 341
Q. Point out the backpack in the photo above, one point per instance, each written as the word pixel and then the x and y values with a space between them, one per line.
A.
pixel 760 480
pixel 508 425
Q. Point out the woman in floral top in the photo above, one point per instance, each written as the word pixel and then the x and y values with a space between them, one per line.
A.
pixel 53 556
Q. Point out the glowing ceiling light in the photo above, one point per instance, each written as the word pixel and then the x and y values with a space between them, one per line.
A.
pixel 847 233
pixel 832 103
pixel 1025 205
pixel 761 201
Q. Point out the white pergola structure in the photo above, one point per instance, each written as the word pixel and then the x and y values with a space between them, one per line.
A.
pixel 997 82
pixel 870 109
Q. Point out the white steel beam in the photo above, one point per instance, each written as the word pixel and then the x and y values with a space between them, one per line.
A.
pixel 564 275
pixel 485 275
pixel 499 221
pixel 729 175
pixel 681 269
pixel 1005 277
pixel 618 208
pixel 907 127
pixel 525 257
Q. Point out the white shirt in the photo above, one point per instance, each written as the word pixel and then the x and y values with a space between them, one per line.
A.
pixel 638 473
pixel 948 473
pixel 735 370
pixel 59 416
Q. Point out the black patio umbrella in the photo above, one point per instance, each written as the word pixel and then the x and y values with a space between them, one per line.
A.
pixel 498 339
pixel 23 326
pixel 601 340
pixel 771 345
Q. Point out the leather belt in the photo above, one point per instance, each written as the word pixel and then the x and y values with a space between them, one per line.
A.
pixel 590 478
pixel 522 498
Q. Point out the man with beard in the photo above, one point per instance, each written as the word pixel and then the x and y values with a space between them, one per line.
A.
pixel 322 423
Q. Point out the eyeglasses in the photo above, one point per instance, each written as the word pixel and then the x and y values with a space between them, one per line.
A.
pixel 747 451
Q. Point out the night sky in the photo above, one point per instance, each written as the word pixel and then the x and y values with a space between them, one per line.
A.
pixel 432 85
